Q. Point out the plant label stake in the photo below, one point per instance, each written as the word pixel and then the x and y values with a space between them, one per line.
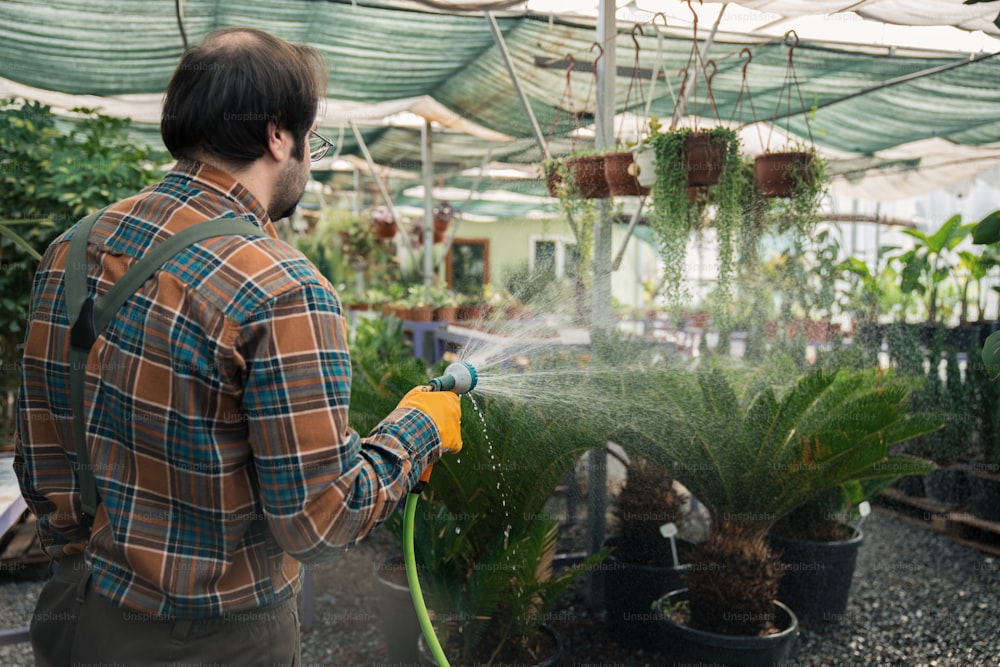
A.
pixel 864 509
pixel 669 531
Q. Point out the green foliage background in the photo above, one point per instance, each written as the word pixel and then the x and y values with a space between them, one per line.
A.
pixel 54 171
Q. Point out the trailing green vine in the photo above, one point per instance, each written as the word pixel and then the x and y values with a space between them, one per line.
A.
pixel 675 213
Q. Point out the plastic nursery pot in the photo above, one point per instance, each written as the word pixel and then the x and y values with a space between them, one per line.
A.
pixel 704 159
pixel 817 577
pixel 690 646
pixel 985 494
pixel 630 589
pixel 427 660
pixel 776 172
pixel 948 485
pixel 400 626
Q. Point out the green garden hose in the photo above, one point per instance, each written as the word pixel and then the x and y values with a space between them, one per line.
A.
pixel 411 577
pixel 460 378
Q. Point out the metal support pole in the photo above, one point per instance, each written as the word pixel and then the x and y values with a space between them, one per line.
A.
pixel 386 197
pixel 604 116
pixel 427 166
pixel 448 242
pixel 356 174
pixel 525 104
pixel 628 234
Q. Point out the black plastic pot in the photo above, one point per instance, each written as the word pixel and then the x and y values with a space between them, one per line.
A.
pixel 984 495
pixel 427 660
pixel 817 577
pixel 912 485
pixel 630 591
pixel 400 626
pixel 948 485
pixel 688 646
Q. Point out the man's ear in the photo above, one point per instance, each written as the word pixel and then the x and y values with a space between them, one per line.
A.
pixel 279 142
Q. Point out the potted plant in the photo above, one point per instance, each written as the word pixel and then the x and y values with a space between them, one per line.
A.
pixel 622 174
pixel 579 176
pixel 471 308
pixel 443 214
pixel 984 471
pixel 818 543
pixel 710 162
pixel 752 460
pixel 641 566
pixel 794 182
pixel 985 475
pixel 421 300
pixel 446 305
pixel 485 541
pixel 383 224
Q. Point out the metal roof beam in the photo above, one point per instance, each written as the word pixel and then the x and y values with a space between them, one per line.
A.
pixel 525 103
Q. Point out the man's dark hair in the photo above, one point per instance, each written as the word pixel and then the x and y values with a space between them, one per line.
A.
pixel 225 91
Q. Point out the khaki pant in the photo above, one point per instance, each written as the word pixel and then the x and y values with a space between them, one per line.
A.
pixel 108 636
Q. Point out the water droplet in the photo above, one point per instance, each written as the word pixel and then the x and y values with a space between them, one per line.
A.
pixel 457 530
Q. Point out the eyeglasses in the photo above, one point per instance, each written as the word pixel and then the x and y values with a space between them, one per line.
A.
pixel 318 145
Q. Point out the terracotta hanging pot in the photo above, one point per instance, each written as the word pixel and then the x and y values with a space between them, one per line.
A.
pixel 587 173
pixel 704 159
pixel 778 173
pixel 384 231
pixel 621 173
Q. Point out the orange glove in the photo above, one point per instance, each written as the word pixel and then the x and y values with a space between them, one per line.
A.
pixel 444 409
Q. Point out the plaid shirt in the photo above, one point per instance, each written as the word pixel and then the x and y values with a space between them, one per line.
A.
pixel 217 408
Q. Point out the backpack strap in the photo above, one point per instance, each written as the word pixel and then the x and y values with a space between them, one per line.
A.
pixel 88 319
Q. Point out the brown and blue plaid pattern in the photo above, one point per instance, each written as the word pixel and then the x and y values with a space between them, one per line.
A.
pixel 217 412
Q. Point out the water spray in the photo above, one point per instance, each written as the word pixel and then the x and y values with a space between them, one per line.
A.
pixel 460 378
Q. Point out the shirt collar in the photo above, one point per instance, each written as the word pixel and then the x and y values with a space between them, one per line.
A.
pixel 209 177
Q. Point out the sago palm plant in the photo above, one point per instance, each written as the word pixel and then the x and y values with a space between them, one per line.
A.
pixel 485 538
pixel 753 459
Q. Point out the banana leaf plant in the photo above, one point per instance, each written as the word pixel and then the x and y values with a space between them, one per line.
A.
pixel 987 232
pixel 930 262
pixel 753 459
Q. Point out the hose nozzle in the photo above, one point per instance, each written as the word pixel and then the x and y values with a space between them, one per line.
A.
pixel 460 377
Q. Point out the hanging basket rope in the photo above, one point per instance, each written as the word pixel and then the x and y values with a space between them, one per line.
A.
pixel 790 82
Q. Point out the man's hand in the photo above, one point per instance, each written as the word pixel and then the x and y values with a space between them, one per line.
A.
pixel 444 409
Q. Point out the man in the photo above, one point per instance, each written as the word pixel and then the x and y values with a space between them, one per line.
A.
pixel 216 397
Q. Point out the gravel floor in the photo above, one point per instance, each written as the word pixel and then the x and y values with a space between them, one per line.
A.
pixel 917 599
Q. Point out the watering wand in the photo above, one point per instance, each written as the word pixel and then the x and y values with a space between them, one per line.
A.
pixel 461 378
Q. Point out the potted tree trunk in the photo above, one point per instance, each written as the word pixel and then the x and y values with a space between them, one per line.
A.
pixel 641 566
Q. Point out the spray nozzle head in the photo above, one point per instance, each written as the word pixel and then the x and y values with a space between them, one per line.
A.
pixel 460 377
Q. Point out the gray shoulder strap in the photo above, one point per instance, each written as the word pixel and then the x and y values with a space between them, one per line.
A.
pixel 88 318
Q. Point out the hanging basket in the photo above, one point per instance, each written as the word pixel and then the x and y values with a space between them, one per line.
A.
pixel 440 231
pixel 704 159
pixel 580 177
pixel 621 173
pixel 778 174
pixel 384 231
